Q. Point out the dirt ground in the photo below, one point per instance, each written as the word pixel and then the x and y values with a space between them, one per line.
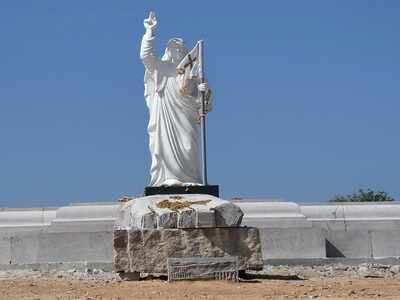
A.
pixel 261 288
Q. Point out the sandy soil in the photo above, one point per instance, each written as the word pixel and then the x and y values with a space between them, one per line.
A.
pixel 60 288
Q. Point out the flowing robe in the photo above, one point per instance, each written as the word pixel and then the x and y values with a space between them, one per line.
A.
pixel 174 129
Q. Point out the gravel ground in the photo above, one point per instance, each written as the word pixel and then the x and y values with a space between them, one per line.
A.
pixel 365 270
pixel 338 281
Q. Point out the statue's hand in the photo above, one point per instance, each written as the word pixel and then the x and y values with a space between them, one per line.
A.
pixel 203 87
pixel 151 22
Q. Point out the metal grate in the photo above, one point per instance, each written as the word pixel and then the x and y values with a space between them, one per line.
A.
pixel 191 268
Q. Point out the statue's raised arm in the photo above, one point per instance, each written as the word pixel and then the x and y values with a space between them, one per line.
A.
pixel 147 51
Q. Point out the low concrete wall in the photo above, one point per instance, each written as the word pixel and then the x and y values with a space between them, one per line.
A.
pixel 53 247
pixel 83 232
pixel 357 230
pixel 75 233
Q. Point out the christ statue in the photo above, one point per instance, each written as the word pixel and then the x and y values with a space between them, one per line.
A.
pixel 173 98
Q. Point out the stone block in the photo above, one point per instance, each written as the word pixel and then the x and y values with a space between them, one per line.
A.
pixel 148 250
pixel 205 218
pixel 167 219
pixel 228 215
pixel 148 220
pixel 187 219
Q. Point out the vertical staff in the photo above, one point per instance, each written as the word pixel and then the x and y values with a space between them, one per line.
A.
pixel 203 114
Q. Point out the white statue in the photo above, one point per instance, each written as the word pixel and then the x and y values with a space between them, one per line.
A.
pixel 174 101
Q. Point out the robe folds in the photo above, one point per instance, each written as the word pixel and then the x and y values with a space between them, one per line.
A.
pixel 174 129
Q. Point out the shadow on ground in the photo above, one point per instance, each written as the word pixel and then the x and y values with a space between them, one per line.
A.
pixel 246 276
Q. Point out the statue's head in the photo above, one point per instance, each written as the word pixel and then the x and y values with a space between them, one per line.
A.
pixel 175 51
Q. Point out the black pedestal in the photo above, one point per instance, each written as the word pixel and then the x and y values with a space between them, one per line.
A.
pixel 193 189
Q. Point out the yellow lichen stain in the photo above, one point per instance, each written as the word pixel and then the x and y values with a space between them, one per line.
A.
pixel 177 205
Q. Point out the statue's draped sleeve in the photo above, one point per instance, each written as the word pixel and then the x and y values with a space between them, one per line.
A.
pixel 147 53
pixel 156 69
pixel 149 60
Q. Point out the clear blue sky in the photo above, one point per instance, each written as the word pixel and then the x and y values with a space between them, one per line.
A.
pixel 307 97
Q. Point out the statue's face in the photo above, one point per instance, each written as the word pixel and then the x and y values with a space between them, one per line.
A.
pixel 175 53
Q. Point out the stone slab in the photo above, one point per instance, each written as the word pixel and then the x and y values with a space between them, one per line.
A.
pixel 5 249
pixel 193 189
pixel 149 249
pixel 292 243
pixel 331 225
pixel 45 246
pixel 25 247
pixel 273 214
pixel 75 246
pixel 373 224
pixel 385 243
pixel 352 243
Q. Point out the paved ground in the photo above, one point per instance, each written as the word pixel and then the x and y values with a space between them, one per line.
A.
pixel 279 282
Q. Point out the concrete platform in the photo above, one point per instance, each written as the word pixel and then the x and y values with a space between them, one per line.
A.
pixel 82 233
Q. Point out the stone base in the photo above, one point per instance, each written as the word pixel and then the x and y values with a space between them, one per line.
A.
pixel 147 250
pixel 178 211
pixel 212 190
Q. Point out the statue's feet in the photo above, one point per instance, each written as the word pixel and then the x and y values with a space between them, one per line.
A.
pixel 175 182
pixel 191 184
pixel 172 182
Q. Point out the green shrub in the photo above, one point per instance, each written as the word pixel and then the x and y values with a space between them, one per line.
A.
pixel 363 196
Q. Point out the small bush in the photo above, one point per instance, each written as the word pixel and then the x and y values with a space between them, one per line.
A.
pixel 363 196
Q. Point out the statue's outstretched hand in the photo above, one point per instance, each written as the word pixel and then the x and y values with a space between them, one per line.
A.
pixel 151 22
